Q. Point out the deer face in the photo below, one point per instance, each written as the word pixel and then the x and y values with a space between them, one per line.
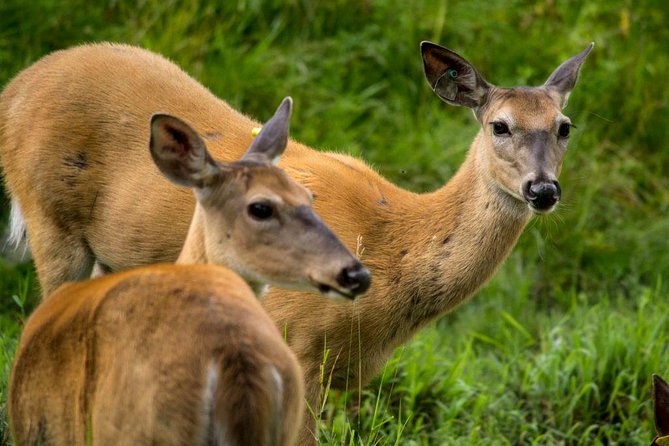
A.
pixel 524 133
pixel 525 137
pixel 273 235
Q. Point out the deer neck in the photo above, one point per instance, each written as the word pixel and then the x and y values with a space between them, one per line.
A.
pixel 195 249
pixel 459 236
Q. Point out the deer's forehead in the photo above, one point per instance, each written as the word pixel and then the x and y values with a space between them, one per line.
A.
pixel 528 108
pixel 275 182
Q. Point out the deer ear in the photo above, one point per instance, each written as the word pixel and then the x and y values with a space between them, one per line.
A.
pixel 273 138
pixel 564 77
pixel 661 405
pixel 180 153
pixel 452 78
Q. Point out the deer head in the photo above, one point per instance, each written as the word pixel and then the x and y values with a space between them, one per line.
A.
pixel 250 216
pixel 524 133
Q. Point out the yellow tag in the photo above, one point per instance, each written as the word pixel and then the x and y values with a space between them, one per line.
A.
pixel 662 441
pixel 255 131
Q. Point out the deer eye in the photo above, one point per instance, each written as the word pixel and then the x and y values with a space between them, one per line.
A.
pixel 260 211
pixel 563 131
pixel 500 128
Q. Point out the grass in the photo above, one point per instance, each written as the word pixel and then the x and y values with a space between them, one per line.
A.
pixel 510 373
pixel 559 347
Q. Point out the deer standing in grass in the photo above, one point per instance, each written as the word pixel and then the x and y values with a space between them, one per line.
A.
pixel 661 409
pixel 89 193
pixel 185 354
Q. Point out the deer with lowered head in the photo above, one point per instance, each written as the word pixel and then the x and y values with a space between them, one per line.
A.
pixel 428 252
pixel 185 354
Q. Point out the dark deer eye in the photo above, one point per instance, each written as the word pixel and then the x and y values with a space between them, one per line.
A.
pixel 563 131
pixel 500 128
pixel 260 211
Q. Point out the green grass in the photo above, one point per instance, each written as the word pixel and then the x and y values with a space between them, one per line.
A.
pixel 17 299
pixel 559 347
pixel 510 372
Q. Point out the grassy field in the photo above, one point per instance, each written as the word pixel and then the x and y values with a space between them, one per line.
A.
pixel 559 347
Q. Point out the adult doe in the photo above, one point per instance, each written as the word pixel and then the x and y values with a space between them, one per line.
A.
pixel 428 252
pixel 185 354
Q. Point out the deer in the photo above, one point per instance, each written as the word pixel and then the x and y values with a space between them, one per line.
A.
pixel 428 252
pixel 185 354
pixel 661 409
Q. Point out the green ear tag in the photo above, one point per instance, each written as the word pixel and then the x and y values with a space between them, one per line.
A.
pixel 662 441
pixel 452 73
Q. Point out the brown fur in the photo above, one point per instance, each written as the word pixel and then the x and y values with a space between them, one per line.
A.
pixel 661 410
pixel 170 355
pixel 138 383
pixel 428 252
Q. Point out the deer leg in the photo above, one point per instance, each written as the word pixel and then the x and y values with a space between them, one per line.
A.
pixel 59 256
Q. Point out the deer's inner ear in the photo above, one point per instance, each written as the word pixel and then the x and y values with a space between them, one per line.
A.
pixel 180 153
pixel 452 78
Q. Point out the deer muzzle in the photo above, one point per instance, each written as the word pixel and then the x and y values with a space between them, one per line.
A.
pixel 542 196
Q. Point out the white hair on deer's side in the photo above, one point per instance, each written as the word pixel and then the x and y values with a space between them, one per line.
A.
pixel 275 429
pixel 17 226
pixel 212 428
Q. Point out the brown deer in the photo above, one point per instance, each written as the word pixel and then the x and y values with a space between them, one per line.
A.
pixel 661 408
pixel 186 355
pixel 165 354
pixel 428 252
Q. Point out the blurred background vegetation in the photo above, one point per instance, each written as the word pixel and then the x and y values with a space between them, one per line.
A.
pixel 559 348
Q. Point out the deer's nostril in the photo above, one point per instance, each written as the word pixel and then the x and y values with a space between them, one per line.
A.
pixel 543 189
pixel 355 278
pixel 542 195
pixel 527 190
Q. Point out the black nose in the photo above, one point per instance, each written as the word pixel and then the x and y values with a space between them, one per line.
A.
pixel 354 278
pixel 542 195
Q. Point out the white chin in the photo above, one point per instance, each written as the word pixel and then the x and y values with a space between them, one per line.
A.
pixel 541 211
pixel 337 296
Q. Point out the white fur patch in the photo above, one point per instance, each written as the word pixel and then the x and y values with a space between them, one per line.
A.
pixel 17 226
pixel 277 416
pixel 15 245
pixel 278 383
pixel 212 427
